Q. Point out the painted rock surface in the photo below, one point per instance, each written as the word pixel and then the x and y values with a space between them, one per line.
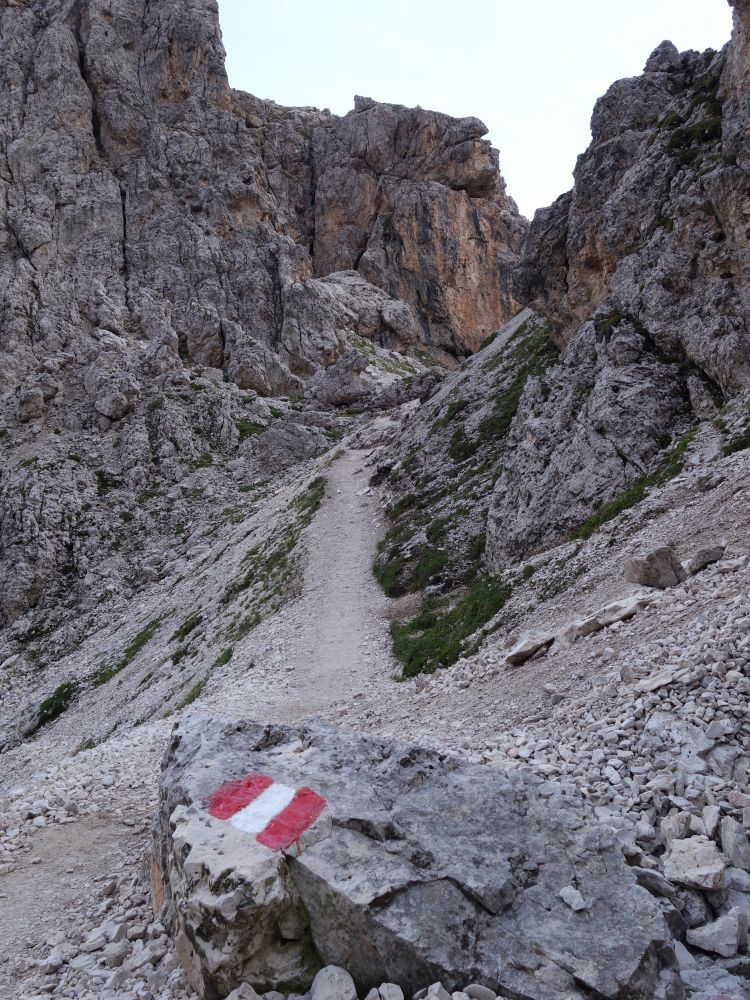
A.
pixel 280 849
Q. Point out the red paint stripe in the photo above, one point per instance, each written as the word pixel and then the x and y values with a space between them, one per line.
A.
pixel 235 795
pixel 292 822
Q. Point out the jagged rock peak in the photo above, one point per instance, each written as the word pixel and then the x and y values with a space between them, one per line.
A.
pixel 664 59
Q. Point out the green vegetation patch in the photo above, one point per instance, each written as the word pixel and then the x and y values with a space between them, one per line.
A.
pixel 461 447
pixel 189 625
pixel 54 706
pixel 738 443
pixel 143 637
pixel 105 482
pixel 673 464
pixel 689 136
pixel 535 354
pixel 224 657
pixel 452 411
pixel 309 501
pixel 435 637
pixel 249 428
pixel 202 461
pixel 193 694
pixel 272 563
pixel 246 625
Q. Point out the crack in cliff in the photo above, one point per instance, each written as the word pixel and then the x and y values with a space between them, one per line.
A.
pixel 83 66
pixel 123 206
pixel 313 192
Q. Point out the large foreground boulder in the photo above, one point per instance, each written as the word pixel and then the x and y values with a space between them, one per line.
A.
pixel 281 849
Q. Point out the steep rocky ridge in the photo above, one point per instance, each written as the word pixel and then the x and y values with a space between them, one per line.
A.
pixel 642 271
pixel 632 366
pixel 152 219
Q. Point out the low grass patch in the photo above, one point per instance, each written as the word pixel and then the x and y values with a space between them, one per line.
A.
pixel 738 443
pixel 224 657
pixel 452 411
pixel 430 562
pixel 105 482
pixel 189 625
pixel 673 464
pixel 533 354
pixel 309 501
pixel 249 428
pixel 193 694
pixel 272 563
pixel 54 706
pixel 434 638
pixel 246 625
pixel 438 528
pixel 144 636
pixel 461 447
pixel 407 502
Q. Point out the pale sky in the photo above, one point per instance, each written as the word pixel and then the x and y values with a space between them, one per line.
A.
pixel 530 70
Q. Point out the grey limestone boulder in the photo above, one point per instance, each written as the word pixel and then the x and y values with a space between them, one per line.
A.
pixel 415 868
pixel 660 568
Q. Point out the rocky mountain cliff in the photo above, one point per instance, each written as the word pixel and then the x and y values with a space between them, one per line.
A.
pixel 642 272
pixel 152 220
pixel 630 365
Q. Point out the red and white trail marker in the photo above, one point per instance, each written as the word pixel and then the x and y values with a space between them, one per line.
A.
pixel 277 814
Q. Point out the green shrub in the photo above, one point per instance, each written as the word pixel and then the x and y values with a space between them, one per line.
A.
pixel 434 638
pixel 202 461
pixel 224 657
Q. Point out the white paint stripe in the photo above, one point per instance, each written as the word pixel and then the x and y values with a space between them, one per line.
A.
pixel 259 813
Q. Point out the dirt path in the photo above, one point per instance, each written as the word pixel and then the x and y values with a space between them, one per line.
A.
pixel 46 892
pixel 339 637
pixel 333 642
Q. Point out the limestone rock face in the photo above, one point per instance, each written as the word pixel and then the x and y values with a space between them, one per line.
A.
pixel 154 220
pixel 415 202
pixel 419 868
pixel 642 272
